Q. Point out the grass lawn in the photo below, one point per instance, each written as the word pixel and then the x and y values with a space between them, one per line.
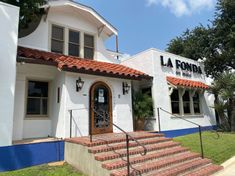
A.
pixel 219 150
pixel 45 170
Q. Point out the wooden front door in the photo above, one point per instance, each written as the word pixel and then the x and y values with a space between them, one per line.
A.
pixel 100 109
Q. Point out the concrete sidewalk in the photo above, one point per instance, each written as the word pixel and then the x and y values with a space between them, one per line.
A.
pixel 229 168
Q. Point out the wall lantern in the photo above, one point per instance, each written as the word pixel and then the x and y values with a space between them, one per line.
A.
pixel 79 84
pixel 125 88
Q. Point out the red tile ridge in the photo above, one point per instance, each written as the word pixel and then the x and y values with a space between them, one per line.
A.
pixel 72 63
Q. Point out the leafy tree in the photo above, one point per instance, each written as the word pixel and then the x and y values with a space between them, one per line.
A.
pixel 224 88
pixel 221 56
pixel 177 46
pixel 29 10
pixel 216 42
pixel 192 44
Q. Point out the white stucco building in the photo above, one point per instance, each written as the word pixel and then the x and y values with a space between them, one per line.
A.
pixel 62 65
pixel 9 16
pixel 62 70
pixel 178 87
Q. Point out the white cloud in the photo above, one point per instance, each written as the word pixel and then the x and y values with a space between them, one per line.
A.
pixel 151 2
pixel 183 7
pixel 200 4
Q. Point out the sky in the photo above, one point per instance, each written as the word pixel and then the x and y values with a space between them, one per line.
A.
pixel 144 24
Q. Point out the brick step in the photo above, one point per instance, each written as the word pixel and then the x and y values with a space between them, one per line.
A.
pixel 136 150
pixel 140 159
pixel 110 138
pixel 110 147
pixel 205 171
pixel 181 168
pixel 154 165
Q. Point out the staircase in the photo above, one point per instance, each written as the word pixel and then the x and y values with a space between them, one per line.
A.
pixel 107 155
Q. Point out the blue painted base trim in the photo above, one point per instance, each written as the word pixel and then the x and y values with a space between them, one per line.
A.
pixel 181 132
pixel 26 155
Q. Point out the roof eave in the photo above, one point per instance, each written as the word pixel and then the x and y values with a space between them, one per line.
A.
pixel 21 59
pixel 83 7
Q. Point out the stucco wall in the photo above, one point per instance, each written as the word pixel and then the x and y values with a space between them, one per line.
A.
pixel 70 18
pixel 149 62
pixel 58 108
pixel 9 16
pixel 32 127
pixel 121 104
pixel 58 122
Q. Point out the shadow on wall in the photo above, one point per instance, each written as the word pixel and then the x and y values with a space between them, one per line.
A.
pixel 79 102
pixel 167 70
pixel 26 155
pixel 57 108
pixel 76 130
pixel 208 109
pixel 149 124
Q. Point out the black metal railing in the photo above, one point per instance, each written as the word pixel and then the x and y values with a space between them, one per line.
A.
pixel 128 136
pixel 199 126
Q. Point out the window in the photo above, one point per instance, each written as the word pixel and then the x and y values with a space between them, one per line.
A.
pixel 196 103
pixel 74 43
pixel 37 100
pixel 88 46
pixel 57 39
pixel 186 102
pixel 67 41
pixel 175 102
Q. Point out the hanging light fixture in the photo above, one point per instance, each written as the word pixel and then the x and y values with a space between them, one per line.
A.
pixel 125 88
pixel 79 84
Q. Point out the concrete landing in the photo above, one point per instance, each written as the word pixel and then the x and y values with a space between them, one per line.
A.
pixel 229 168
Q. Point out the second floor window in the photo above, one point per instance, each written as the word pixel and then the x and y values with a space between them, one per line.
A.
pixel 57 39
pixel 74 43
pixel 88 46
pixel 71 42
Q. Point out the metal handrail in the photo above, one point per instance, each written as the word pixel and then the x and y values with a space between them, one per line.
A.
pixel 199 127
pixel 218 136
pixel 179 117
pixel 127 143
pixel 71 117
pixel 132 138
pixel 128 137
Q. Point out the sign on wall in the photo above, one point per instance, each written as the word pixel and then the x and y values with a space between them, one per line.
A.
pixel 182 68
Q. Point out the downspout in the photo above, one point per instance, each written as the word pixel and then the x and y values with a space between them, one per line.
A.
pixel 117 47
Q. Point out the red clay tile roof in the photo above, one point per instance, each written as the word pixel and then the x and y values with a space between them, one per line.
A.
pixel 75 64
pixel 186 83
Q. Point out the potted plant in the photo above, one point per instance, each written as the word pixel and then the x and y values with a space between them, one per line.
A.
pixel 142 109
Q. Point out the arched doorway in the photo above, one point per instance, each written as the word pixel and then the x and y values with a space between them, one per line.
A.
pixel 100 109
